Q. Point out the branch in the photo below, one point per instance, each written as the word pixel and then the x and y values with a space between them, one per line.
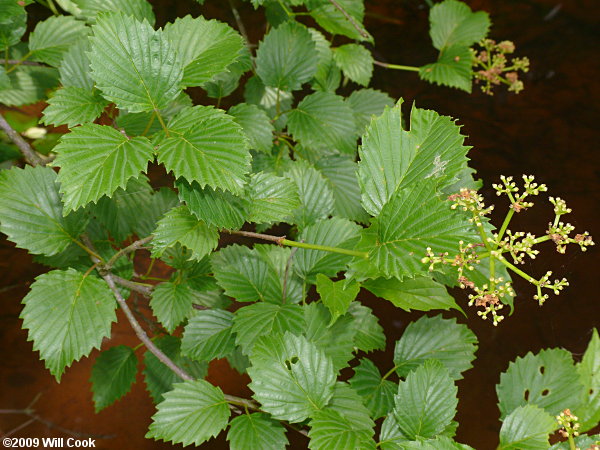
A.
pixel 22 63
pixel 351 19
pixel 141 334
pixel 124 251
pixel 109 278
pixel 33 417
pixel 28 152
pixel 144 289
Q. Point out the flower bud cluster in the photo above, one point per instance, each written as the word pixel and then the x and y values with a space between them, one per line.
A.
pixel 555 287
pixel 492 66
pixel 509 187
pixel 489 297
pixel 518 245
pixel 471 200
pixel 560 206
pixel 569 424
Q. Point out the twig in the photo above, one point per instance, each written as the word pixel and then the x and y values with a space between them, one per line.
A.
pixel 240 24
pixel 397 66
pixel 281 240
pixel 144 289
pixel 124 251
pixel 29 412
pixel 351 19
pixel 28 152
pixel 20 427
pixel 265 237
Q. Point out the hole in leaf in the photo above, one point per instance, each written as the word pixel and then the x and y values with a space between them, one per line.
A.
pixel 545 392
pixel 542 370
pixel 289 362
pixel 526 395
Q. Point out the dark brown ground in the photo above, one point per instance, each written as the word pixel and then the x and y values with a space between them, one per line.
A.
pixel 549 130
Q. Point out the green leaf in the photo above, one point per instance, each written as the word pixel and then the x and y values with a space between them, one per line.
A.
pixel 263 319
pixel 340 174
pixel 392 159
pixel 293 384
pixel 158 377
pixel 377 394
pixel 444 340
pixel 265 97
pixel 589 372
pixel 453 23
pixel 256 125
pixel 192 413
pixel 245 275
pixel 369 334
pixel 348 403
pixel 324 120
pixel 548 380
pixel 139 9
pixel 256 430
pixel 179 225
pixel 453 68
pixel 392 439
pixel 328 76
pixel 316 198
pixel 67 314
pixel 215 207
pixel 337 340
pixel 31 211
pixel 420 293
pixel 73 106
pixel 281 259
pixel 75 67
pixel 333 232
pixel 286 57
pixel 52 38
pixel 13 23
pixel 367 103
pixel 133 65
pixel 113 374
pixel 28 84
pixel 207 146
pixel 171 303
pixel 413 220
pixel 335 295
pixel 273 198
pixel 224 83
pixel 4 79
pixel 96 160
pixel 115 213
pixel 335 21
pixel 526 428
pixel 208 335
pixel 356 62
pixel 426 401
pixel 329 430
pixel 206 47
